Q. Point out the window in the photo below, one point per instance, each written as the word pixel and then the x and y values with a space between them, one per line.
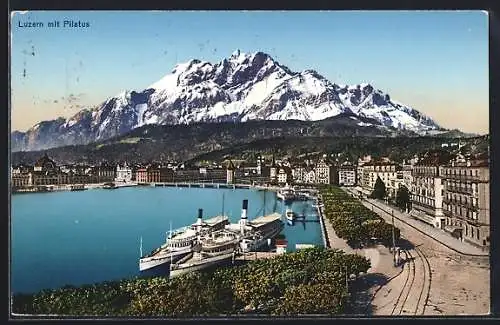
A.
pixel 477 234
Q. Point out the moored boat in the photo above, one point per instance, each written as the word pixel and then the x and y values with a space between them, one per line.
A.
pixel 212 249
pixel 286 194
pixel 109 186
pixel 180 242
pixel 256 233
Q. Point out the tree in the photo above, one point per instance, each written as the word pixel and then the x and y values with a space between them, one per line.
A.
pixel 403 198
pixel 378 190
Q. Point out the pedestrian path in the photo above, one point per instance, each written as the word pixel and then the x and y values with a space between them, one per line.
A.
pixel 335 241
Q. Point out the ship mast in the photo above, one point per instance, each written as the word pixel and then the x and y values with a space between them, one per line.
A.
pixel 264 207
pixel 140 247
pixel 171 255
pixel 222 203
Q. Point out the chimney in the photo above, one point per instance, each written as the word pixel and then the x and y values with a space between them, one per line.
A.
pixel 200 217
pixel 244 210
pixel 243 220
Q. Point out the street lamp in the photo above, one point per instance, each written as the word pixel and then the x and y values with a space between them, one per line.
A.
pixel 393 239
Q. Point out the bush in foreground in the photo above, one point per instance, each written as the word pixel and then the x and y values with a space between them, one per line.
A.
pixel 308 281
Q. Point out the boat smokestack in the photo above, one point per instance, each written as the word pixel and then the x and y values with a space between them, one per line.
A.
pixel 243 220
pixel 244 209
pixel 200 217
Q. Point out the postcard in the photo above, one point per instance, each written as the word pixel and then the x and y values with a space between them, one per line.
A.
pixel 218 164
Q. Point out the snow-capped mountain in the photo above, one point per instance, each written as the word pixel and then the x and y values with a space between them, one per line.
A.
pixel 240 88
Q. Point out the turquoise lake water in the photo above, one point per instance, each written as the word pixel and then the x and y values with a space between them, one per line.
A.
pixel 75 238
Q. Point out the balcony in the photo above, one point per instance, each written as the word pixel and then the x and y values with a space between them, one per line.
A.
pixel 463 177
pixel 459 189
pixel 462 203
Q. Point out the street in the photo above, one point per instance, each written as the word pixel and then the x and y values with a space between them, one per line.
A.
pixel 438 280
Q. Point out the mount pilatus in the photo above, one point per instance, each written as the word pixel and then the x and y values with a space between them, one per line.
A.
pixel 241 88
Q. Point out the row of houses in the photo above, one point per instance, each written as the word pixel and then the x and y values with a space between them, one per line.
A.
pixel 450 192
pixel 320 172
pixel 46 172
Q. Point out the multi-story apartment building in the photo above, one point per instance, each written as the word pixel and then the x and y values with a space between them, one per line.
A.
pixel 310 176
pixel 387 171
pixel 466 204
pixel 321 173
pixel 298 173
pixel 273 172
pixel 427 188
pixel 21 179
pixel 284 175
pixel 141 175
pixel 347 176
pixel 359 169
pixel 406 171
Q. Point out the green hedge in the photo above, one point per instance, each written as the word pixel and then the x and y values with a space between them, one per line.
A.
pixel 308 281
pixel 352 221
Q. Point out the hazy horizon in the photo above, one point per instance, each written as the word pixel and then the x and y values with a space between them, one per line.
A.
pixel 433 61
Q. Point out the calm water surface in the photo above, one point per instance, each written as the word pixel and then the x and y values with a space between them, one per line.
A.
pixel 75 238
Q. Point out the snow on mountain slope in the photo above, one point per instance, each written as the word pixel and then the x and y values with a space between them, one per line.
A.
pixel 245 86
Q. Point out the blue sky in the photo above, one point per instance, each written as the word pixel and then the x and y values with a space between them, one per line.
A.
pixel 436 62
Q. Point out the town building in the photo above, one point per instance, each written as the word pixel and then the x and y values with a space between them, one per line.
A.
pixel 359 170
pixel 123 173
pixel 427 188
pixel 347 175
pixel 284 175
pixel 103 173
pixel 142 175
pixel 230 173
pixel 260 164
pixel 466 204
pixel 19 180
pixel 46 172
pixel 387 171
pixel 406 171
pixel 273 171
pixel 325 173
pixel 299 173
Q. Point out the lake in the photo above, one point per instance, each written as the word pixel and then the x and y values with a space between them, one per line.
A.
pixel 75 238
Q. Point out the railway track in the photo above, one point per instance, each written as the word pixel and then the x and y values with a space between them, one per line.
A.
pixel 414 294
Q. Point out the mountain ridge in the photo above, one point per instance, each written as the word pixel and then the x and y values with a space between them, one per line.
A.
pixel 240 88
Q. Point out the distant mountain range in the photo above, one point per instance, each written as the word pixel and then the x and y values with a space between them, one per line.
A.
pixel 241 88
